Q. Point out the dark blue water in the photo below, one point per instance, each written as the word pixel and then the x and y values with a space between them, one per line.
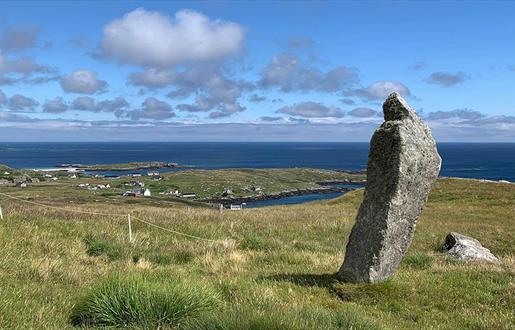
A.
pixel 293 200
pixel 493 161
pixel 203 155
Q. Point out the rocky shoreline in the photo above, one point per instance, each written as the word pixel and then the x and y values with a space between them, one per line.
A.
pixel 333 182
pixel 123 167
pixel 279 195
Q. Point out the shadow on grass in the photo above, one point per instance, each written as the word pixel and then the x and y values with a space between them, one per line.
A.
pixel 316 280
pixel 331 282
pixel 343 290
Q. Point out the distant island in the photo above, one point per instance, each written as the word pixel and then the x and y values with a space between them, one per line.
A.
pixel 132 166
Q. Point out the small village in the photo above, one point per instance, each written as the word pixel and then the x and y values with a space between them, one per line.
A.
pixel 224 190
pixel 138 186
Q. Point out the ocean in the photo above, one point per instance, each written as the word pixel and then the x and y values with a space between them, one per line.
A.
pixel 493 161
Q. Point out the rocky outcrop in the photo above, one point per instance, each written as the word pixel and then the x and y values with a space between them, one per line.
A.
pixel 403 163
pixel 134 166
pixel 467 248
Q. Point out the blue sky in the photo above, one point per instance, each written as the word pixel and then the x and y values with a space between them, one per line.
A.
pixel 253 71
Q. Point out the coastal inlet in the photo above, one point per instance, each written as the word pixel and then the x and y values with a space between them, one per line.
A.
pixel 151 183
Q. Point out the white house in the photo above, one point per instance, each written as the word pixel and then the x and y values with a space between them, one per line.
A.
pixel 171 192
pixel 135 184
pixel 138 192
pixel 189 195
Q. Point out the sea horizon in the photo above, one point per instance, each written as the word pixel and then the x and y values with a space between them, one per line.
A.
pixel 236 142
pixel 481 160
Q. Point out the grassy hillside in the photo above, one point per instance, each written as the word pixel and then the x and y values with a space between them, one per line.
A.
pixel 273 268
pixel 205 183
pixel 8 173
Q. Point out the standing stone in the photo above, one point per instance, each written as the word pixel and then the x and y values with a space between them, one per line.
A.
pixel 403 163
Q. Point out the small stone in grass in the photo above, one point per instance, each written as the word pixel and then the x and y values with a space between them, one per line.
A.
pixel 467 248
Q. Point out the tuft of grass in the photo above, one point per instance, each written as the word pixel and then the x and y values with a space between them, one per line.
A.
pixel 418 261
pixel 136 300
pixel 96 247
pixel 183 257
pixel 180 257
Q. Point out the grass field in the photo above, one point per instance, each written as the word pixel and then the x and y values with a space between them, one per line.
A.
pixel 271 268
pixel 205 183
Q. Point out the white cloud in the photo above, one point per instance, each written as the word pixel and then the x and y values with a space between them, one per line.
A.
pixel 212 89
pixel 152 78
pixel 311 110
pixel 348 101
pixel 288 72
pixel 363 112
pixel 271 118
pixel 57 105
pixel 119 106
pixel 15 70
pixel 153 108
pixel 255 98
pixel 84 103
pixel 379 90
pixel 152 39
pixel 22 103
pixel 9 117
pixel 219 114
pixel 447 79
pixel 468 114
pixel 3 98
pixel 83 82
pixel 17 127
pixel 23 66
pixel 19 38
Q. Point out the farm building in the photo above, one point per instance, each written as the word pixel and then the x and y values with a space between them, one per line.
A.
pixel 138 193
pixel 135 184
pixel 235 207
pixel 189 195
pixel 171 192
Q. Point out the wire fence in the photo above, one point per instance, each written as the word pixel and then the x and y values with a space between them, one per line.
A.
pixel 130 217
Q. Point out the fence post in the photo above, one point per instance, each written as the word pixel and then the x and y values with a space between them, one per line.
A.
pixel 1 214
pixel 130 228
